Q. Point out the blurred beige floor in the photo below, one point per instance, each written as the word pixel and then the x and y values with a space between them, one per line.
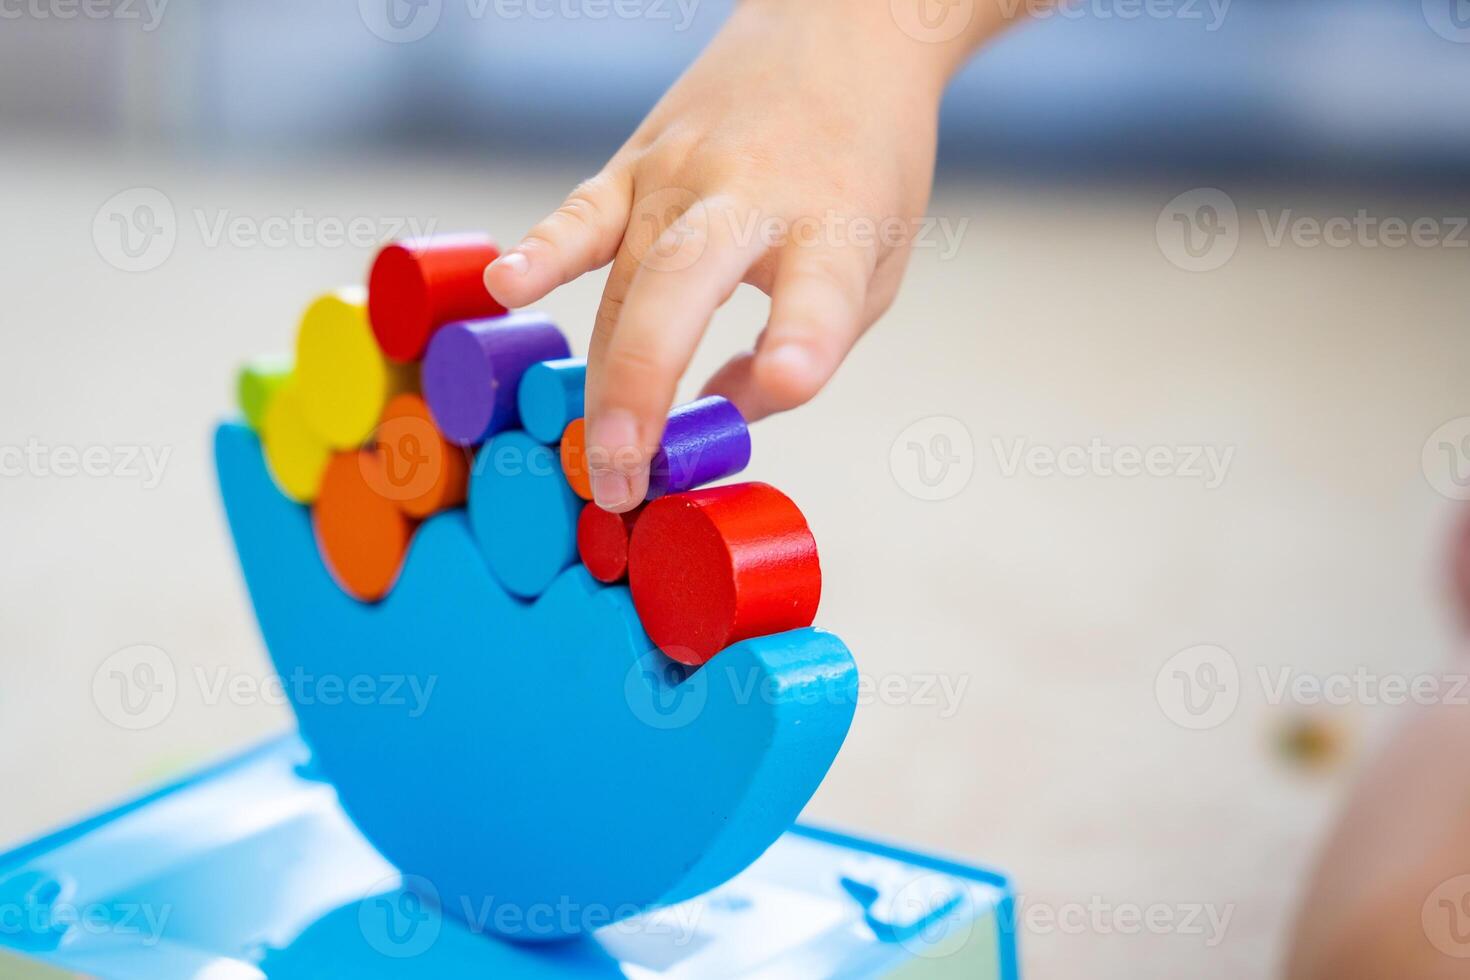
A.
pixel 1013 632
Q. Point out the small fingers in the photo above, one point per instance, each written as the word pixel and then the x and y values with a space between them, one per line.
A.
pixel 581 235
pixel 818 312
pixel 735 380
pixel 688 272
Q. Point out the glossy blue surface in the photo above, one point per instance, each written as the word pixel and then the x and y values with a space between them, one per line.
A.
pixel 538 765
pixel 251 870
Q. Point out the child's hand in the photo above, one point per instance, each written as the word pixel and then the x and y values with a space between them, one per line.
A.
pixel 796 155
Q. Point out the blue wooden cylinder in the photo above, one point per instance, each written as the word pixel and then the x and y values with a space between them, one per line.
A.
pixel 551 396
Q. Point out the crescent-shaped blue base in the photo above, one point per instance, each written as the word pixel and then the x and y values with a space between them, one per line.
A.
pixel 537 765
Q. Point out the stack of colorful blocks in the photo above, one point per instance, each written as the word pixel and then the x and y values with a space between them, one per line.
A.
pixel 423 394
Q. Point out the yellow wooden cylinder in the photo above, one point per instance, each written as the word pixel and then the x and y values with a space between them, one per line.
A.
pixel 296 456
pixel 343 376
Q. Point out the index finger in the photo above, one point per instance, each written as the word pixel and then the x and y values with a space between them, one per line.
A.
pixel 690 270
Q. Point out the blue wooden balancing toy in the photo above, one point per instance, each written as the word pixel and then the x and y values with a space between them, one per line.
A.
pixel 530 775
pixel 540 770
pixel 516 750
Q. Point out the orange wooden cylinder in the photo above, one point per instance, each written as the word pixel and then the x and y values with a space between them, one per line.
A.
pixel 574 458
pixel 362 535
pixel 420 470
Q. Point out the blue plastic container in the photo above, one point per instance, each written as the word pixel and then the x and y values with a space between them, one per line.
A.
pixel 250 869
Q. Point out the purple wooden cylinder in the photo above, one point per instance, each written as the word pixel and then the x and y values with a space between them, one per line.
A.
pixel 472 369
pixel 703 442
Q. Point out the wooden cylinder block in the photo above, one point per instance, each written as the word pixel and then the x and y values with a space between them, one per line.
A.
pixel 257 383
pixel 551 396
pixel 421 470
pixel 418 285
pixel 573 453
pixel 712 567
pixel 362 535
pixel 473 369
pixel 602 542
pixel 344 378
pixel 703 441
pixel 295 455
pixel 522 513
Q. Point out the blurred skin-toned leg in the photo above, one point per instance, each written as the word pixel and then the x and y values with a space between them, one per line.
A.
pixel 1387 901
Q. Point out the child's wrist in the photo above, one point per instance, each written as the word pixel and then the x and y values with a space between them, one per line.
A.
pixel 922 40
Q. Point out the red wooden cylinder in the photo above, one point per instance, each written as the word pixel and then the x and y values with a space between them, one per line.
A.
pixel 712 567
pixel 602 542
pixel 417 285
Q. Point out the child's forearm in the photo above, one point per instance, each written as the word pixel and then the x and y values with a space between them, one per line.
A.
pixel 920 41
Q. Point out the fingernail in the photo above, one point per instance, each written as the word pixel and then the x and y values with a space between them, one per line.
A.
pixel 610 489
pixel 515 262
pixel 612 440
